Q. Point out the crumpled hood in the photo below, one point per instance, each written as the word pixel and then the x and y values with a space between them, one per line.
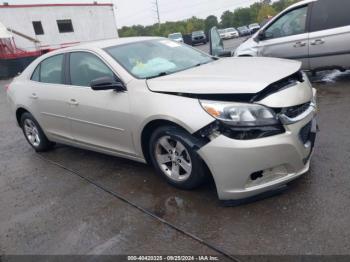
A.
pixel 236 75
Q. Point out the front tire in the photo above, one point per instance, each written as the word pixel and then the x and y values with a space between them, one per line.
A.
pixel 34 134
pixel 172 155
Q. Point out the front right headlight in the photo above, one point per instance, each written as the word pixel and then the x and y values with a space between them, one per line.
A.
pixel 240 114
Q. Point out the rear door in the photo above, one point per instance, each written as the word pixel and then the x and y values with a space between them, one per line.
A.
pixel 330 34
pixel 99 118
pixel 49 97
pixel 288 37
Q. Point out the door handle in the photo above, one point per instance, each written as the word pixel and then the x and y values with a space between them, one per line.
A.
pixel 318 42
pixel 300 44
pixel 34 96
pixel 73 102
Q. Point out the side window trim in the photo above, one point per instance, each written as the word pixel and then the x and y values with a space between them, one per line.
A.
pixel 38 67
pixel 66 69
pixel 67 65
pixel 39 72
pixel 308 17
pixel 307 22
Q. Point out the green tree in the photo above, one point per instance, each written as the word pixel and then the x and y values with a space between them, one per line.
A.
pixel 242 16
pixel 280 5
pixel 226 19
pixel 210 22
pixel 265 12
pixel 256 12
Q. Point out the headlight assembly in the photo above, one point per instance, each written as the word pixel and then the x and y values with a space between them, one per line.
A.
pixel 240 114
pixel 241 121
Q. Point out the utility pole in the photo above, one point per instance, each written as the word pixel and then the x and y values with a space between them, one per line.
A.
pixel 157 10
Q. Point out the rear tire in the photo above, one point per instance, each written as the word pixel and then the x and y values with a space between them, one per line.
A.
pixel 34 134
pixel 172 155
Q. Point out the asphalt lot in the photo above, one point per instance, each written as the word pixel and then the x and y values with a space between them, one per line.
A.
pixel 72 201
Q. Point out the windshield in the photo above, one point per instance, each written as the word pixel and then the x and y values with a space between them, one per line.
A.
pixel 254 25
pixel 175 36
pixel 148 59
pixel 242 28
pixel 229 30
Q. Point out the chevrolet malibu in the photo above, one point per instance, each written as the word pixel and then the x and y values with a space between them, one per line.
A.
pixel 189 114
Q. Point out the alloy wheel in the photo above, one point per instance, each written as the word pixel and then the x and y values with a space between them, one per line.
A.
pixel 173 158
pixel 31 132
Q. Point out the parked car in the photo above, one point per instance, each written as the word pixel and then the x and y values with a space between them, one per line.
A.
pixel 199 37
pixel 186 112
pixel 254 28
pixel 315 32
pixel 243 31
pixel 176 37
pixel 229 33
pixel 221 33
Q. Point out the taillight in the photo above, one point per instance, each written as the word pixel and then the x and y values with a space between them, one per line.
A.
pixel 7 87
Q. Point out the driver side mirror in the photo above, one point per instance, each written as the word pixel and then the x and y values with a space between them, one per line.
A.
pixel 261 35
pixel 264 35
pixel 107 83
pixel 224 53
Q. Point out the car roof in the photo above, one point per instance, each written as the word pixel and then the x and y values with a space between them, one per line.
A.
pixel 108 43
pixel 300 3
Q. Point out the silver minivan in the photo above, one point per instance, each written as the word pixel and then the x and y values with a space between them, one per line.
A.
pixel 316 32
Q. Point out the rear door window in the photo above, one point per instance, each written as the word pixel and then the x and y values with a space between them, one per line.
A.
pixel 51 70
pixel 328 14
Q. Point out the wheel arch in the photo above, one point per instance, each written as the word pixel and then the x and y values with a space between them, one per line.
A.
pixel 19 112
pixel 149 128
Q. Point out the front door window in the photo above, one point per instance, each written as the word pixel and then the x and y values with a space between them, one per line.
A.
pixel 292 23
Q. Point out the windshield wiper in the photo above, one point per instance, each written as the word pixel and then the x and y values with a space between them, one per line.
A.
pixel 204 63
pixel 157 75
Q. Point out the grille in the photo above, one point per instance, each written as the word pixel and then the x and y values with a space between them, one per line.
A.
pixel 295 111
pixel 305 133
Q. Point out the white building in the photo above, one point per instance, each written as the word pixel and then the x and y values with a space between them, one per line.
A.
pixel 58 25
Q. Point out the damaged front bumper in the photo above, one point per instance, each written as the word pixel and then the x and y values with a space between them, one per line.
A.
pixel 245 168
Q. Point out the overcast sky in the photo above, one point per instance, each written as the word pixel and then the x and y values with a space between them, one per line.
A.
pixel 130 12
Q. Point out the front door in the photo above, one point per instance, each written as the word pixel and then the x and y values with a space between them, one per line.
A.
pixel 99 118
pixel 287 37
